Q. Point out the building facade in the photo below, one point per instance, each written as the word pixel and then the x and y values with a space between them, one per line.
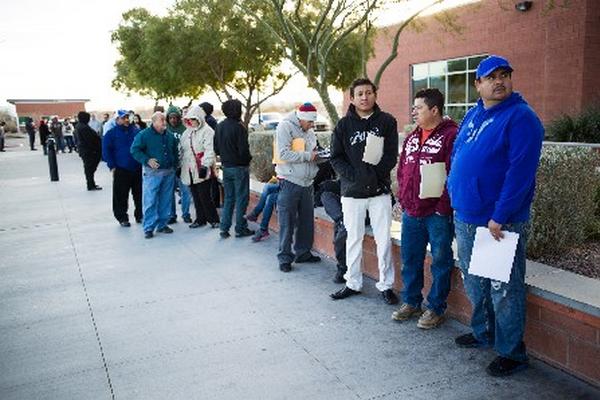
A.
pixel 555 54
pixel 45 108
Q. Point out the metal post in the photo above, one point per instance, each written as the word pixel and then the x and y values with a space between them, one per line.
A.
pixel 52 163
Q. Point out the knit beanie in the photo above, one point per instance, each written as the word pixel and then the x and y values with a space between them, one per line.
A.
pixel 307 112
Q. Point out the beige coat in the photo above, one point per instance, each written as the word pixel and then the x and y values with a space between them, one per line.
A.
pixel 202 141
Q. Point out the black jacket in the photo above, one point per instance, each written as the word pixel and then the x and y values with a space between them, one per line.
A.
pixel 231 143
pixel 89 145
pixel 359 179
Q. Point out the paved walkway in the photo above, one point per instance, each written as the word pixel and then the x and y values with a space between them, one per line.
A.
pixel 90 310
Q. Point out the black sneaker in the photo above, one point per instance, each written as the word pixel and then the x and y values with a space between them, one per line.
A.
pixel 244 233
pixel 343 293
pixel 148 234
pixel 308 258
pixel 125 224
pixel 173 220
pixel 187 219
pixel 468 341
pixel 197 224
pixel 285 267
pixel 224 234
pixel 502 366
pixel 389 297
pixel 214 225
pixel 165 229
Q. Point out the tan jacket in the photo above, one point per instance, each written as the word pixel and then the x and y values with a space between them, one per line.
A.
pixel 201 140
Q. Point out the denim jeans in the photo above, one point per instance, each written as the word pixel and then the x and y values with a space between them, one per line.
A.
pixel 186 199
pixel 157 188
pixel 266 204
pixel 236 184
pixel 295 212
pixel 416 233
pixel 498 308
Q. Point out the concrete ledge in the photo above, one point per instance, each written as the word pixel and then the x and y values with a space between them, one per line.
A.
pixel 563 308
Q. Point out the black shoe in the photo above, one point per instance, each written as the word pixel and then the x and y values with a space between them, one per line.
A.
pixel 389 297
pixel 172 221
pixel 308 258
pixel 502 366
pixel 224 234
pixel 95 188
pixel 244 233
pixel 165 229
pixel 339 275
pixel 138 220
pixel 285 267
pixel 148 234
pixel 187 219
pixel 125 224
pixel 214 225
pixel 197 224
pixel 468 341
pixel 343 293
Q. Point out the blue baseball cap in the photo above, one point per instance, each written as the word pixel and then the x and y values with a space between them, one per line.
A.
pixel 490 64
pixel 122 113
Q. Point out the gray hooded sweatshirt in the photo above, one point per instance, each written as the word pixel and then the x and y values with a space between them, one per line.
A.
pixel 296 167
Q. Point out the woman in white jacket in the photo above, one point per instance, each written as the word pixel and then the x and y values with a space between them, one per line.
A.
pixel 197 157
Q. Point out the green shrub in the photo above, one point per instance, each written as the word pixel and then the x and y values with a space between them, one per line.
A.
pixel 584 128
pixel 261 148
pixel 564 206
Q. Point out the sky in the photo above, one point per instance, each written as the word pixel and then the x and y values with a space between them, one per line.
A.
pixel 60 49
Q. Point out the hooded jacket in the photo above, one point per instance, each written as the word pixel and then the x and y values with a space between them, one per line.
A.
pixel 494 162
pixel 231 137
pixel 297 167
pixel 178 129
pixel 196 141
pixel 437 148
pixel 359 179
pixel 89 144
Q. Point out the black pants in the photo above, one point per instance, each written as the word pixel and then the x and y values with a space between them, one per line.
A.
pixel 123 182
pixel 206 211
pixel 90 164
pixel 31 140
pixel 333 207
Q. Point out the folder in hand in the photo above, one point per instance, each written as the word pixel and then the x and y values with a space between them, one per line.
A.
pixel 298 145
pixel 433 179
pixel 373 149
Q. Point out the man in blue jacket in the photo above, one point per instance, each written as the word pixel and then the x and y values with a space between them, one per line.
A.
pixel 156 149
pixel 127 172
pixel 491 184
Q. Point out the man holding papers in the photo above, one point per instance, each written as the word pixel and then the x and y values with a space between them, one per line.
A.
pixel 296 168
pixel 491 185
pixel 427 216
pixel 364 150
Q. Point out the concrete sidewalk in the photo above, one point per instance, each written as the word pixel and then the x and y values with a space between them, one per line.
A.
pixel 90 310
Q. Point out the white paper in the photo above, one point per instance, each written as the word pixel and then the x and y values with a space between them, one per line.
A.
pixel 433 179
pixel 373 149
pixel 491 258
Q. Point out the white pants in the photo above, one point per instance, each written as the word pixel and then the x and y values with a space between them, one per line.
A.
pixel 380 213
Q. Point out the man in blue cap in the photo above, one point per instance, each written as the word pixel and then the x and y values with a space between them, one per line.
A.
pixel 491 184
pixel 126 171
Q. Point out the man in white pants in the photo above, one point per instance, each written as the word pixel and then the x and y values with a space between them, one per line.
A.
pixel 364 150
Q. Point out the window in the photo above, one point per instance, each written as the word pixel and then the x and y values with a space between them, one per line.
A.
pixel 454 78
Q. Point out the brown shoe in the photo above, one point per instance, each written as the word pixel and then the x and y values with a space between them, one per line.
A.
pixel 430 320
pixel 406 311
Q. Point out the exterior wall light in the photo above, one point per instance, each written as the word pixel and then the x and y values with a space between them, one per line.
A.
pixel 523 6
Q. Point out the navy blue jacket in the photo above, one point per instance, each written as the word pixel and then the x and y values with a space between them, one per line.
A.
pixel 494 162
pixel 116 145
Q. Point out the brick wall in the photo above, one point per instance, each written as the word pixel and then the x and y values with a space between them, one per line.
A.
pixel 555 54
pixel 562 336
pixel 39 110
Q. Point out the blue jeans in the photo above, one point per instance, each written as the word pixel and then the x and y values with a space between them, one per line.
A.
pixel 498 308
pixel 266 204
pixel 236 184
pixel 157 197
pixel 186 199
pixel 416 232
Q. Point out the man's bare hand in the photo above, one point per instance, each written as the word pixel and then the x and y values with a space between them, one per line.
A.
pixel 313 157
pixel 153 163
pixel 495 230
